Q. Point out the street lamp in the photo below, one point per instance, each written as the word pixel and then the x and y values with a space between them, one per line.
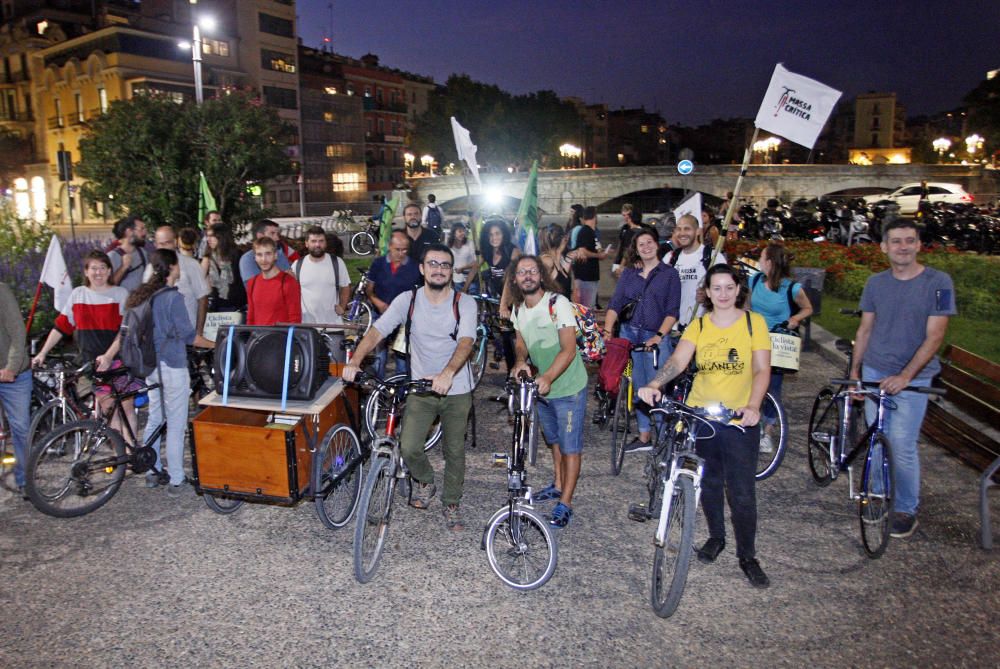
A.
pixel 208 23
pixel 973 143
pixel 428 162
pixel 766 146
pixel 408 159
pixel 570 151
pixel 941 145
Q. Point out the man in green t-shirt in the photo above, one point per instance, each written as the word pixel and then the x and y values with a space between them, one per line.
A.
pixel 545 324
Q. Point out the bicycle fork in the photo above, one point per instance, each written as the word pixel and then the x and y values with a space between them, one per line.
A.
pixel 683 464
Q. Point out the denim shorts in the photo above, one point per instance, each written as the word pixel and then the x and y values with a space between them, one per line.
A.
pixel 562 421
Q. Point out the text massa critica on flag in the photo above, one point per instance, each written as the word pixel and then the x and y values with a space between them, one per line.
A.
pixel 796 107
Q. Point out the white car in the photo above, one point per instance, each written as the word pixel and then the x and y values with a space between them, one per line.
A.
pixel 907 196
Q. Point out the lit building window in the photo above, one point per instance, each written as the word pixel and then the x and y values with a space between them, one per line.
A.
pixel 345 181
pixel 277 61
pixel 328 117
pixel 214 47
pixel 38 203
pixel 41 27
pixel 102 97
pixel 331 90
pixel 644 128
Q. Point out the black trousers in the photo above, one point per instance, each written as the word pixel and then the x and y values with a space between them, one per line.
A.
pixel 730 466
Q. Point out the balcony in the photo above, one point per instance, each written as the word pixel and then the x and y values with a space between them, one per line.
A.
pixel 17 116
pixel 371 104
pixel 56 122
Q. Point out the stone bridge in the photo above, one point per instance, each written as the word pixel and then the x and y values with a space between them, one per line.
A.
pixel 558 189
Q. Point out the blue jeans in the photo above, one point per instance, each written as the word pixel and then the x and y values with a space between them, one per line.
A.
pixel 902 426
pixel 770 417
pixel 642 365
pixel 562 421
pixel 382 359
pixel 16 399
pixel 587 292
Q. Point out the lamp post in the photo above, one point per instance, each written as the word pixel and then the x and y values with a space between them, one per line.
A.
pixel 941 145
pixel 765 147
pixel 207 23
pixel 408 159
pixel 571 152
pixel 428 162
pixel 974 143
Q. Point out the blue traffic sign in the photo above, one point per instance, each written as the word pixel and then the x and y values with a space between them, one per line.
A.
pixel 685 167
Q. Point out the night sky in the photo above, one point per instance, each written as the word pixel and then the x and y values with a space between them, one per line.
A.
pixel 692 61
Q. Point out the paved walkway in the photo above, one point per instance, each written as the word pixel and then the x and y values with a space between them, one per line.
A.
pixel 148 580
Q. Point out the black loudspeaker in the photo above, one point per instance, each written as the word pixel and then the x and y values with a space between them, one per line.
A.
pixel 257 362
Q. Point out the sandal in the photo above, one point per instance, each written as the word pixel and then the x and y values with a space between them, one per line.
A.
pixel 546 494
pixel 420 497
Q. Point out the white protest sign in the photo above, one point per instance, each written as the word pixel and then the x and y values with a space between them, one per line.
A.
pixel 220 319
pixel 692 206
pixel 796 107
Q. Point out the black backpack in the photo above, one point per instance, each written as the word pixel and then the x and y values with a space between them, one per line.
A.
pixel 434 219
pixel 793 308
pixel 706 256
pixel 137 351
pixel 336 273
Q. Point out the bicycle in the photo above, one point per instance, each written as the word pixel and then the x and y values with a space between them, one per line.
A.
pixel 488 330
pixel 65 404
pixel 378 406
pixel 359 310
pixel 365 241
pixel 674 473
pixel 386 471
pixel 621 418
pixel 828 456
pixel 85 460
pixel 520 545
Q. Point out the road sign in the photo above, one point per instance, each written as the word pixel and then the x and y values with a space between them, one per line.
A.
pixel 685 167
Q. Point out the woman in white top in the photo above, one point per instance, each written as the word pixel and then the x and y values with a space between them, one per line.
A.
pixel 465 255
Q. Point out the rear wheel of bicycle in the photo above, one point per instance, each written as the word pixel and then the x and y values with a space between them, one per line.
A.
pixel 875 503
pixel 53 414
pixel 362 318
pixel 620 427
pixel 362 243
pixel 222 504
pixel 372 524
pixel 76 470
pixel 478 361
pixel 768 462
pixel 824 422
pixel 377 408
pixel 672 559
pixel 339 454
pixel 520 548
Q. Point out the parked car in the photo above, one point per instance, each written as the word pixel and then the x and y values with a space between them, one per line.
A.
pixel 908 195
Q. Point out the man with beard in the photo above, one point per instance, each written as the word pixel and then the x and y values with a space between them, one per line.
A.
pixel 441 331
pixel 325 284
pixel 128 259
pixel 420 237
pixel 545 324
pixel 273 296
pixel 249 268
pixel 691 260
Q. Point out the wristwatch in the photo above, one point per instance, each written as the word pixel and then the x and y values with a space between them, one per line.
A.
pixel 660 335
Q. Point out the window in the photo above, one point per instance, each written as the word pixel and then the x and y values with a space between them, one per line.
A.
pixel 328 117
pixel 282 98
pixel 345 181
pixel 330 90
pixel 350 88
pixel 274 25
pixel 277 61
pixel 875 109
pixel 59 115
pixel 643 128
pixel 214 47
pixel 368 91
pixel 875 123
pixel 338 150
pixel 874 139
pixel 102 97
pixel 395 157
pixel 78 99
pixel 378 94
pixel 381 125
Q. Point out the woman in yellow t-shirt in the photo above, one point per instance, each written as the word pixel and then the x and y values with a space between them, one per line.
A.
pixel 732 350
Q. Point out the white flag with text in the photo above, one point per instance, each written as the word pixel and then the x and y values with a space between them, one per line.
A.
pixel 692 206
pixel 54 274
pixel 466 149
pixel 796 107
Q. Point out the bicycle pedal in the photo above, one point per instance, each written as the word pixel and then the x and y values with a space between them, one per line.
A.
pixel 499 459
pixel 638 512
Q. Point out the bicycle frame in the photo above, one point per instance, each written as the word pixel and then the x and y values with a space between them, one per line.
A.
pixel 840 458
pixel 682 462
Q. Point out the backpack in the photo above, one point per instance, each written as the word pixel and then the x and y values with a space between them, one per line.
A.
pixel 404 333
pixel 793 308
pixel 137 351
pixel 613 365
pixel 434 218
pixel 336 273
pixel 589 340
pixel 706 256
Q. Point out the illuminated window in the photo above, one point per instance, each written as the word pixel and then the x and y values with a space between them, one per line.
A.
pixel 368 91
pixel 330 90
pixel 644 128
pixel 38 203
pixel 338 150
pixel 345 181
pixel 214 47
pixel 328 117
pixel 22 202
pixel 102 97
pixel 277 61
pixel 79 106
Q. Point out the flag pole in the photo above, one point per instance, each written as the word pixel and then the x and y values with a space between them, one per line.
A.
pixel 34 305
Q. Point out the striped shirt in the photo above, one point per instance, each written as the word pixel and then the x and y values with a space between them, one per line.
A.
pixel 93 318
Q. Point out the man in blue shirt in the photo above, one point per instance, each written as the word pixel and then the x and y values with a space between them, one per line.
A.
pixel 248 264
pixel 390 275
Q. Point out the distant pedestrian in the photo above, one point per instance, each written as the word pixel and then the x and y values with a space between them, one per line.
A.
pixel 432 219
pixel 273 295
pixel 465 255
pixel 390 275
pixel 420 237
pixel 587 259
pixel 128 258
pixel 499 253
pixel 691 259
pixel 552 245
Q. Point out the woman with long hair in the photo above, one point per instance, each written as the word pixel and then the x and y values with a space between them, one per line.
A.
pixel 733 353
pixel 772 294
pixel 173 332
pixel 500 254
pixel 649 292
pixel 221 265
pixel 552 246
pixel 464 254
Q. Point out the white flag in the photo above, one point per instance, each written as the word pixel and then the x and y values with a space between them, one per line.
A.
pixel 54 274
pixel 692 206
pixel 796 107
pixel 466 149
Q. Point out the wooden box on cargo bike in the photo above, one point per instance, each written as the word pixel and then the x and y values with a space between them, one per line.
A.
pixel 242 452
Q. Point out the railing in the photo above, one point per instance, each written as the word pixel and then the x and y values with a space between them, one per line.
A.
pixel 17 116
pixel 57 122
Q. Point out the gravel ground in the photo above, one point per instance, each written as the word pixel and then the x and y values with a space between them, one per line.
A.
pixel 148 580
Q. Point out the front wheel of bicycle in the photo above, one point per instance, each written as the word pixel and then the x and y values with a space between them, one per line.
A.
pixel 377 409
pixel 824 424
pixel 362 243
pixel 620 424
pixel 772 450
pixel 76 470
pixel 672 559
pixel 520 548
pixel 48 417
pixel 876 495
pixel 337 477
pixel 372 524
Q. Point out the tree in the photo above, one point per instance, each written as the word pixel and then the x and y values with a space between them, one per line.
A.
pixel 508 129
pixel 983 104
pixel 144 155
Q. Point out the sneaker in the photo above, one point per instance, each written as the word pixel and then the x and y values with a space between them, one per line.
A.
pixel 754 573
pixel 548 493
pixel 156 479
pixel 561 515
pixel 22 491
pixel 422 494
pixel 181 489
pixel 638 446
pixel 710 550
pixel 903 525
pixel 453 518
pixel 766 444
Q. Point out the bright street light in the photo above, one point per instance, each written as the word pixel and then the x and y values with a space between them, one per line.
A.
pixel 570 151
pixel 941 145
pixel 208 23
pixel 427 161
pixel 973 143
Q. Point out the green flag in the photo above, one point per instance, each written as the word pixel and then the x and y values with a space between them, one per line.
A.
pixel 385 230
pixel 206 202
pixel 527 215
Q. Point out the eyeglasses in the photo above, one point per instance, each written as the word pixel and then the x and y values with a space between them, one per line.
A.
pixel 437 264
pixel 527 272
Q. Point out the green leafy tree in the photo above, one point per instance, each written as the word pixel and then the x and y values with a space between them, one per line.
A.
pixel 144 155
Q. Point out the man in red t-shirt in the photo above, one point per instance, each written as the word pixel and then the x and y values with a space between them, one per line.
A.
pixel 273 296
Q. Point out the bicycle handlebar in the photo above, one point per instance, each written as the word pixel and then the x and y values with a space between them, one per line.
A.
pixel 410 385
pixel 58 367
pixel 875 384
pixel 655 350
